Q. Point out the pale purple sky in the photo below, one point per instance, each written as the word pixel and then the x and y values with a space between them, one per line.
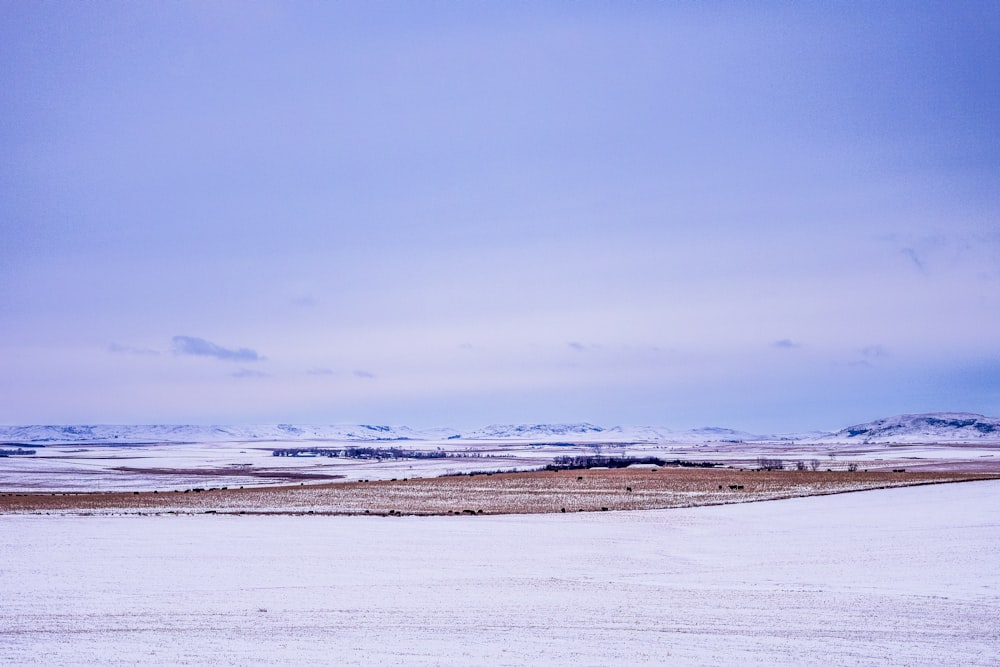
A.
pixel 772 216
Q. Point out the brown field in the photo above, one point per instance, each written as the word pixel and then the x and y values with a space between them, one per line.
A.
pixel 498 493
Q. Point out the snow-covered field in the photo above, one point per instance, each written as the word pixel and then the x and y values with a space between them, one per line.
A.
pixel 893 577
pixel 167 457
pixel 170 465
pixel 167 466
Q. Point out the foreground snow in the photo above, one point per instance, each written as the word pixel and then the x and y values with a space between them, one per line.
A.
pixel 905 576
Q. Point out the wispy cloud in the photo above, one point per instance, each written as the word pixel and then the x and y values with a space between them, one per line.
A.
pixel 585 347
pixel 364 374
pixel 912 255
pixel 204 348
pixel 785 344
pixel 247 373
pixel 305 301
pixel 117 348
pixel 320 371
pixel 875 352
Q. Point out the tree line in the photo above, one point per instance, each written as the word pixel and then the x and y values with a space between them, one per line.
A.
pixel 584 462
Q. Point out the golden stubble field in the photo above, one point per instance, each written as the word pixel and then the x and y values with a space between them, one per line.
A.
pixel 498 493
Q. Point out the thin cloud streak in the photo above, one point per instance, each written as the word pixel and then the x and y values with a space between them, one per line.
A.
pixel 915 259
pixel 129 349
pixel 248 373
pixel 203 348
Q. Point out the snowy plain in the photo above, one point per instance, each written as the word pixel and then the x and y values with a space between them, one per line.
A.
pixel 905 576
pixel 168 457
pixel 86 466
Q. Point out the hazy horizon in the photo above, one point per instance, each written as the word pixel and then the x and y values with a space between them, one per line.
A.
pixel 771 218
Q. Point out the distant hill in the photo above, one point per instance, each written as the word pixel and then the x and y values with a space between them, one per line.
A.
pixel 934 427
pixel 144 434
pixel 536 432
pixel 137 434
pixel 944 427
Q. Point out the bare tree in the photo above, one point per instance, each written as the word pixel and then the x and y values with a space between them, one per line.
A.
pixel 814 464
pixel 764 463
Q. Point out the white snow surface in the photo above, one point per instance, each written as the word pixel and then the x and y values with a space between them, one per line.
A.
pixel 905 576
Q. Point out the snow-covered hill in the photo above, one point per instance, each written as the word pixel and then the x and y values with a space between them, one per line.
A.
pixel 576 433
pixel 935 427
pixel 714 433
pixel 539 432
pixel 943 427
pixel 126 434
pixel 585 432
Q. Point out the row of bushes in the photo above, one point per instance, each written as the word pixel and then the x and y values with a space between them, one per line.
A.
pixel 584 462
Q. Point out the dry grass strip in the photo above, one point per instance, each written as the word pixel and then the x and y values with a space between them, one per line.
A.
pixel 498 493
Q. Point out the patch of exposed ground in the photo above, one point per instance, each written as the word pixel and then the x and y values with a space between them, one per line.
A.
pixel 498 493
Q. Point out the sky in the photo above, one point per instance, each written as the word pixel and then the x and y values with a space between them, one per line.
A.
pixel 770 216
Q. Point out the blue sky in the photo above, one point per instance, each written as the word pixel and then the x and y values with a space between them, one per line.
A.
pixel 776 217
